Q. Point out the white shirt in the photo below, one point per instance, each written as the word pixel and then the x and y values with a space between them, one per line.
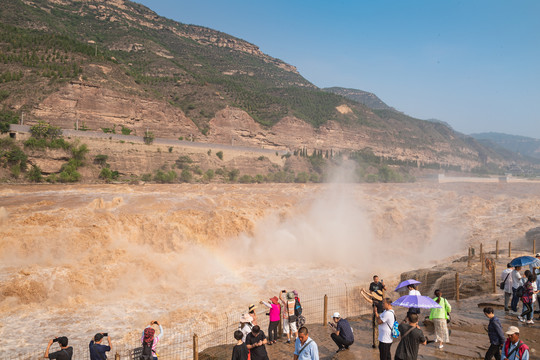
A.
pixel 516 279
pixel 414 292
pixel 385 329
pixel 508 283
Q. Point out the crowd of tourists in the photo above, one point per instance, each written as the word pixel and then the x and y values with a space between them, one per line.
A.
pixel 287 310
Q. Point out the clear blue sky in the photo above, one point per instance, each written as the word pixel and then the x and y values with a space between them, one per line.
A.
pixel 472 63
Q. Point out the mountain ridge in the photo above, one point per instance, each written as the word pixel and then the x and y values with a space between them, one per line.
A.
pixel 526 146
pixel 117 63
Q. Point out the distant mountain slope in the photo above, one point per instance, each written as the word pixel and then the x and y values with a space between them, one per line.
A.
pixel 371 100
pixel 523 145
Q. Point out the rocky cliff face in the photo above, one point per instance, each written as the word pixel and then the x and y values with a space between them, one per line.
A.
pixel 98 107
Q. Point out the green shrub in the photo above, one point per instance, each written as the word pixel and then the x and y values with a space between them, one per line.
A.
pixel 302 177
pixel 52 178
pixel 4 94
pixel 109 130
pixel 16 170
pixel 146 177
pixel 186 176
pixel 79 153
pixel 387 174
pixel 44 130
pixel 283 177
pixel 219 154
pixel 183 162
pixel 126 131
pixel 148 137
pixel 197 170
pixel 220 171
pixel 41 144
pixel 259 179
pixel 7 117
pixel 246 179
pixel 233 175
pixel 69 173
pixel 318 164
pixel 165 177
pixel 16 156
pixel 372 178
pixel 59 144
pixel 261 158
pixel 108 175
pixel 34 174
pixel 101 159
pixel 170 149
pixel 209 174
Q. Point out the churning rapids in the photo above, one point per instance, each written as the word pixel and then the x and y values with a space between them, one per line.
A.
pixel 80 259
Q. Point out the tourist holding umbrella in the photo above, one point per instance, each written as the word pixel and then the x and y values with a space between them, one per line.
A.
pixel 411 286
pixel 439 317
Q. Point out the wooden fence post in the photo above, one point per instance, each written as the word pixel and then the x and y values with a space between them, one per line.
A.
pixel 325 314
pixel 481 252
pixel 483 262
pixel 493 278
pixel 457 286
pixel 497 249
pixel 509 249
pixel 469 258
pixel 534 246
pixel 195 347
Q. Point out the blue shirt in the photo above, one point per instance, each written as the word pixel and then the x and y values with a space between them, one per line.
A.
pixel 310 352
pixel 97 351
pixel 495 332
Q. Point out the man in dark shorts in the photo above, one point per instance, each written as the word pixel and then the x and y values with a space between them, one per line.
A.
pixel 65 352
pixel 411 338
pixel 255 342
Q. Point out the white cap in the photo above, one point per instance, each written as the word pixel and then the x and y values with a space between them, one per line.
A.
pixel 512 330
pixel 336 315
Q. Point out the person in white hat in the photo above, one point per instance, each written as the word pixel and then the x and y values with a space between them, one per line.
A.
pixel 343 334
pixel 245 325
pixel 514 349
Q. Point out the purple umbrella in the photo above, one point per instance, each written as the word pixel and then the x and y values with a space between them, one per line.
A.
pixel 415 301
pixel 407 282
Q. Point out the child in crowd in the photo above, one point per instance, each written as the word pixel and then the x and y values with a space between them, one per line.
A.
pixel 240 350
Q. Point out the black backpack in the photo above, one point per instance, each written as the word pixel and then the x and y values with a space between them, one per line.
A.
pixel 520 291
pixel 146 352
pixel 297 307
